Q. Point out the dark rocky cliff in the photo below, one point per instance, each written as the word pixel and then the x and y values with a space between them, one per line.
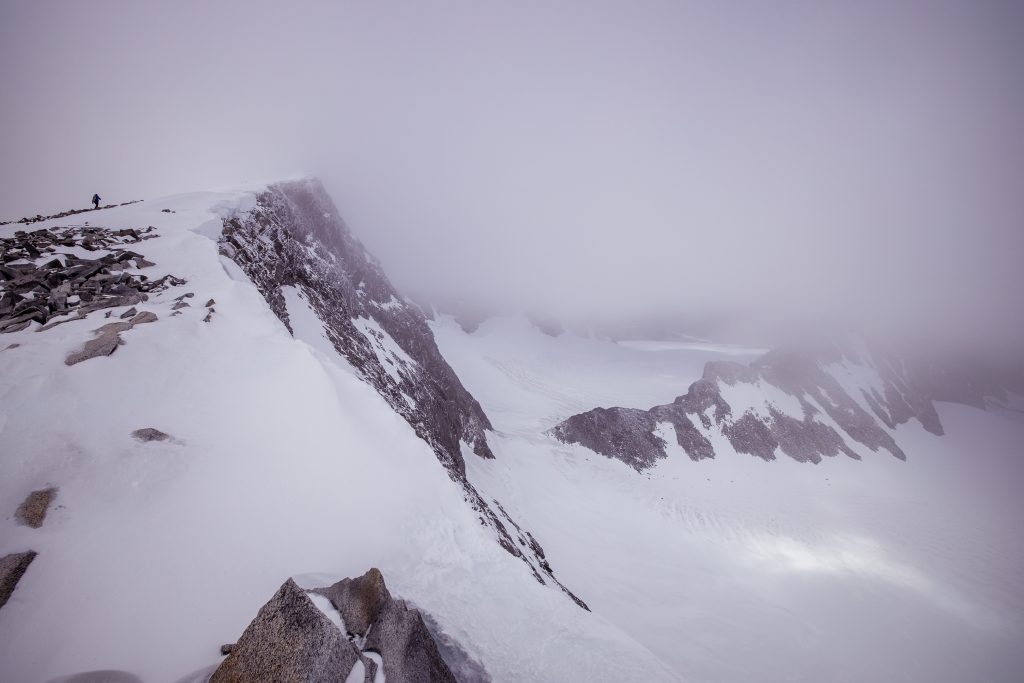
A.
pixel 837 397
pixel 295 237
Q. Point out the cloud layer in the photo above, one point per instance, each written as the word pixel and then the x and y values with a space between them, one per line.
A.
pixel 788 162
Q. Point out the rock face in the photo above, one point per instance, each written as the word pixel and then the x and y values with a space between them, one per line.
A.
pixel 806 404
pixel 289 640
pixel 12 568
pixel 294 237
pixel 32 512
pixel 359 600
pixel 388 627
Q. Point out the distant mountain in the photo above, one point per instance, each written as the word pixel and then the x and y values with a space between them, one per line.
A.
pixel 803 403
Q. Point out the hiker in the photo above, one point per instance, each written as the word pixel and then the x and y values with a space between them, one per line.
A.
pixel 95 201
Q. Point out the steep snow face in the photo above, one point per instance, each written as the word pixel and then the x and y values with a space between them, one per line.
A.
pixel 805 404
pixel 293 237
pixel 733 568
pixel 281 460
pixel 292 243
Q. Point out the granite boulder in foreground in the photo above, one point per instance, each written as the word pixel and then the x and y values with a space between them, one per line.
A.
pixel 292 639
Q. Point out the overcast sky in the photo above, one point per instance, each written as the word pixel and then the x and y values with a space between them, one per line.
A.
pixel 862 160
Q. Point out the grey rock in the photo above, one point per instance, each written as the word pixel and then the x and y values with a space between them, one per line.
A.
pixel 129 313
pixel 359 600
pixel 147 434
pixel 209 303
pixel 144 317
pixel 12 568
pixel 104 343
pixel 227 648
pixel 913 381
pixel 406 647
pixel 391 628
pixel 180 305
pixel 289 640
pixel 32 511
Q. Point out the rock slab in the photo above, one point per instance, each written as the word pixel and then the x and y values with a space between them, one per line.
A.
pixel 290 640
pixel 12 568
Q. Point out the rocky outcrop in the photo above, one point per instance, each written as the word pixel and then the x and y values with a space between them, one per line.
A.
pixel 388 627
pixel 32 511
pixel 294 237
pixel 289 640
pixel 292 639
pixel 807 404
pixel 42 281
pixel 12 568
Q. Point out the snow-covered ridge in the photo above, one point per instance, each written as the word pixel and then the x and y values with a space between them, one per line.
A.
pixel 293 239
pixel 804 403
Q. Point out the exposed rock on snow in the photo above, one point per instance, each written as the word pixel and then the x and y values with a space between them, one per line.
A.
pixel 108 338
pixel 12 568
pixel 294 238
pixel 359 600
pixel 806 404
pixel 388 627
pixel 150 434
pixel 32 512
pixel 42 278
pixel 289 640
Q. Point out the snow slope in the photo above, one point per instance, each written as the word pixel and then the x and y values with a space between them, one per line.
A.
pixel 737 569
pixel 283 462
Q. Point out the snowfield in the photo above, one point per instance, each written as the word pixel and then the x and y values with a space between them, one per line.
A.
pixel 283 463
pixel 737 569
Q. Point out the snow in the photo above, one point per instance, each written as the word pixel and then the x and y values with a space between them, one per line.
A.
pixel 736 569
pixel 155 553
pixel 286 464
pixel 358 672
pixel 323 603
pixel 378 676
pixel 662 345
pixel 387 350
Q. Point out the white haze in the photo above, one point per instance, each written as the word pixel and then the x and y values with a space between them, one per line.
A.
pixel 790 161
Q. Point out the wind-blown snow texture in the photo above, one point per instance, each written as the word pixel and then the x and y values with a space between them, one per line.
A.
pixel 294 238
pixel 805 403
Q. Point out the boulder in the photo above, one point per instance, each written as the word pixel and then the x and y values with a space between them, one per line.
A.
pixel 150 434
pixel 32 511
pixel 390 628
pixel 359 600
pixel 289 640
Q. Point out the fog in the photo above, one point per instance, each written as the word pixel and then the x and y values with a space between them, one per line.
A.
pixel 786 164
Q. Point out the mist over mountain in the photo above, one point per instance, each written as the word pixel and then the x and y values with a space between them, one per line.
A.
pixel 781 165
pixel 468 342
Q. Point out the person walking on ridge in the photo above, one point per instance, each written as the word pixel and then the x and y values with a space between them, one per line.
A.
pixel 95 201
